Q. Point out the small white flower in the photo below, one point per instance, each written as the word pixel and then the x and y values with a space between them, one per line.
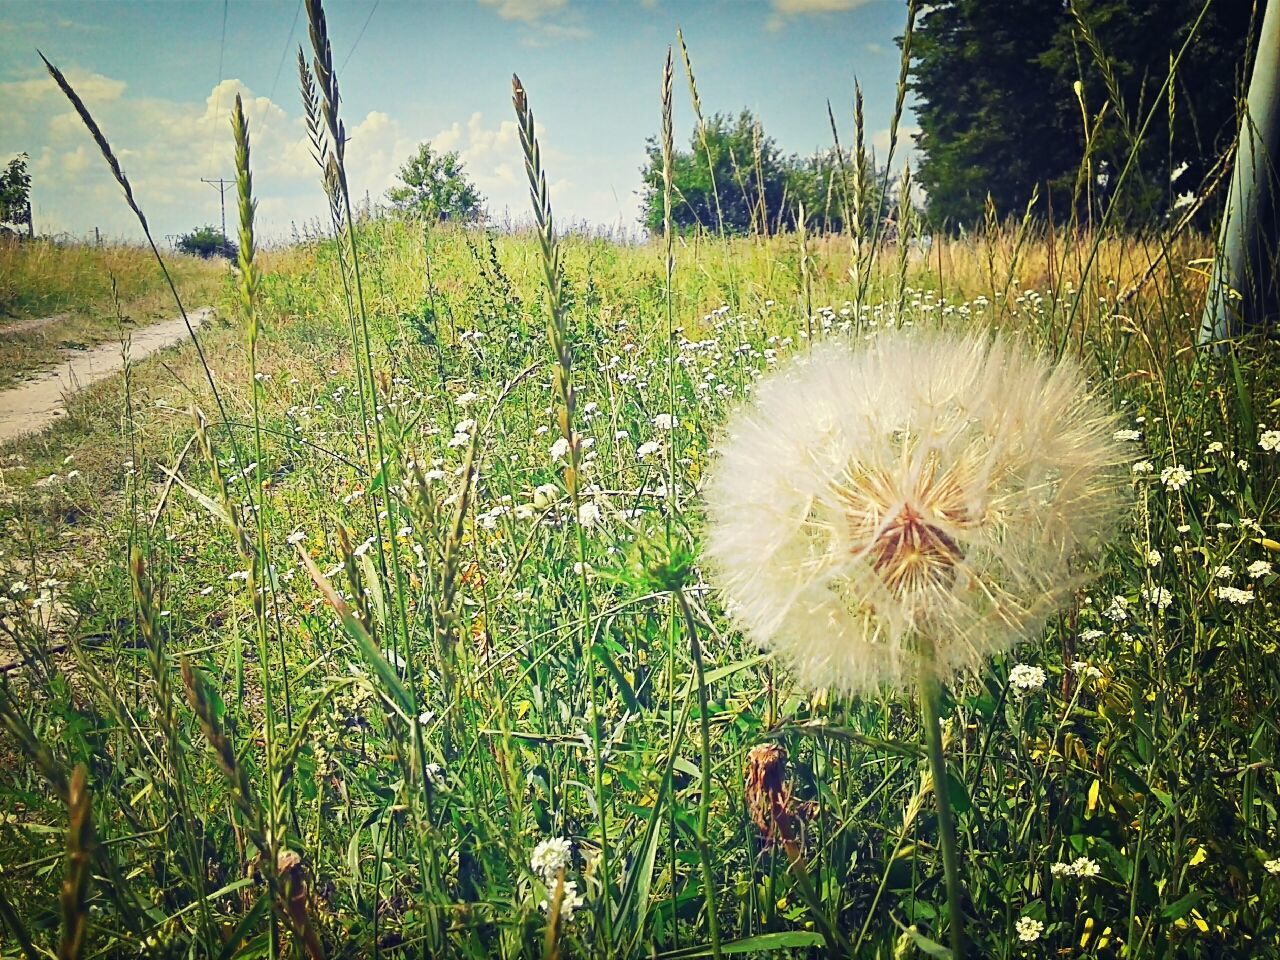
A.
pixel 559 450
pixel 1143 467
pixel 295 538
pixel 459 440
pixel 1127 435
pixel 1157 596
pixel 1272 866
pixel 465 400
pixel 664 421
pixel 1215 447
pixel 1183 200
pixel 1027 679
pixel 1234 595
pixel 570 900
pixel 1270 440
pixel 1028 929
pixel 1085 867
pixel 1175 477
pixel 1259 568
pixel 647 448
pixel 1154 558
pixel 551 856
pixel 1117 610
pixel 1086 670
pixel 588 514
pixel 464 426
pixel 1222 573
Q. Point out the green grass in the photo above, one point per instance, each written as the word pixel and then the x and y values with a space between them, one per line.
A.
pixel 56 298
pixel 1160 768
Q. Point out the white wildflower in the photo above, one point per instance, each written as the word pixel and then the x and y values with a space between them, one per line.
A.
pixel 570 900
pixel 1118 610
pixel 588 514
pixel 1143 467
pixel 1028 929
pixel 1259 568
pixel 1235 595
pixel 1272 866
pixel 916 495
pixel 1158 597
pixel 1027 679
pixel 647 448
pixel 1085 867
pixel 465 400
pixel 559 450
pixel 1175 477
pixel 1127 435
pixel 1270 440
pixel 664 421
pixel 1222 573
pixel 551 856
pixel 1153 558
pixel 296 537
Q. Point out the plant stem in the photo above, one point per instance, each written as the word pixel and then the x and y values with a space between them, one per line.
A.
pixel 930 699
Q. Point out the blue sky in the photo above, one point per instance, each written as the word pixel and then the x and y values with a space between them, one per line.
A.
pixel 161 80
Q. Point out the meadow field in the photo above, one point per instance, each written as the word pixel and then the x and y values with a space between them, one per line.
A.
pixel 380 625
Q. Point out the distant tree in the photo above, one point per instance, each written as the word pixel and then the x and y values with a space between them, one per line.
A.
pixel 15 195
pixel 436 187
pixel 733 178
pixel 999 113
pixel 207 242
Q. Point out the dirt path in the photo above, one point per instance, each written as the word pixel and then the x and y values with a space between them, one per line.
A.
pixel 26 326
pixel 36 403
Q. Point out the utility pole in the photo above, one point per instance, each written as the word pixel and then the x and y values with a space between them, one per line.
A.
pixel 1243 292
pixel 221 184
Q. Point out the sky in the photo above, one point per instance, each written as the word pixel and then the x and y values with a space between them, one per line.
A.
pixel 160 76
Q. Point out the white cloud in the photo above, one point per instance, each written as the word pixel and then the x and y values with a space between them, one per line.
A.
pixel 797 7
pixel 526 11
pixel 166 146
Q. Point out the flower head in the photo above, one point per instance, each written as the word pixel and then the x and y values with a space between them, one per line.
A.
pixel 551 856
pixel 1028 929
pixel 919 496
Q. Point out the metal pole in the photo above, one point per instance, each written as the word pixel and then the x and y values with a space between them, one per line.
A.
pixel 221 184
pixel 1245 290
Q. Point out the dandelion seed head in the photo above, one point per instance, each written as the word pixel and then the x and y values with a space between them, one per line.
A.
pixel 913 496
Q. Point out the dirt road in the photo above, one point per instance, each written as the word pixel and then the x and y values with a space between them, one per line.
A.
pixel 36 403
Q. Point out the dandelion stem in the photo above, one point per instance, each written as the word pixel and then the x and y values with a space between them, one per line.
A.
pixel 930 700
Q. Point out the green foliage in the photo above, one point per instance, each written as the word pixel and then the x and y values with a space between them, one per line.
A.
pixel 999 112
pixel 733 179
pixel 15 193
pixel 207 242
pixel 436 187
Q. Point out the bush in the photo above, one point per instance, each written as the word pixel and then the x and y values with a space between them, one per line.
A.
pixel 208 242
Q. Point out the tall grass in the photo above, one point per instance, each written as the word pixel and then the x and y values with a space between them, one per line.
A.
pixel 427 594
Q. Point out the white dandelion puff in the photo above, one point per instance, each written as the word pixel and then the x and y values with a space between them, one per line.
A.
pixel 916 496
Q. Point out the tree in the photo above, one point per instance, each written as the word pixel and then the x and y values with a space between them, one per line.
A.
pixel 734 179
pixel 1000 114
pixel 15 195
pixel 207 242
pixel 436 187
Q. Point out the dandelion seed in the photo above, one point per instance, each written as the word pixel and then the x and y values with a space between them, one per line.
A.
pixel 1259 568
pixel 913 497
pixel 1028 929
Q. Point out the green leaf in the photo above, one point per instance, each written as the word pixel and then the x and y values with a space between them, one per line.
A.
pixel 1183 906
pixel 762 943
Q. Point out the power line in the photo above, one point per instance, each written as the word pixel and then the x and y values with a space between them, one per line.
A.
pixel 221 185
pixel 360 35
